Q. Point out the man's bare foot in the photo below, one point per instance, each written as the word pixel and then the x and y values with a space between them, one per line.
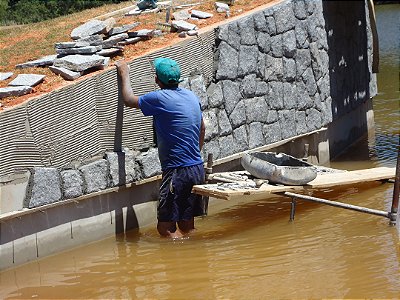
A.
pixel 175 235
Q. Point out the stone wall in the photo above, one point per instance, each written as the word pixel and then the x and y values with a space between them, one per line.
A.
pixel 268 76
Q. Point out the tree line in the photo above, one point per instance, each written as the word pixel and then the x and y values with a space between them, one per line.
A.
pixel 31 11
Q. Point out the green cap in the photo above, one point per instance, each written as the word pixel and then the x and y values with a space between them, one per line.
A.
pixel 167 70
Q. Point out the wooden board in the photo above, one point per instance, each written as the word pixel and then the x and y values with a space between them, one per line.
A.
pixel 322 181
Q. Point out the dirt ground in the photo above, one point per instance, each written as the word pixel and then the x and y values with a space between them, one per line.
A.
pixel 19 44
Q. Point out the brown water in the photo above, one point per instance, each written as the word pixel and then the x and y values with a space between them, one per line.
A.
pixel 250 250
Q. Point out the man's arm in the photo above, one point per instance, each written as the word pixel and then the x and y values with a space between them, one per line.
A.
pixel 129 98
pixel 202 133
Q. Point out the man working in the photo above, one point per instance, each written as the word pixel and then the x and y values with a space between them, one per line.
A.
pixel 180 136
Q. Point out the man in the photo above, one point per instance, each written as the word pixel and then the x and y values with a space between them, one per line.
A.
pixel 180 132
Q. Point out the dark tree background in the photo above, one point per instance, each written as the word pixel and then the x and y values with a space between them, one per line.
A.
pixel 30 11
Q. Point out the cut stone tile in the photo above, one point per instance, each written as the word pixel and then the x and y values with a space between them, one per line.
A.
pixel 80 50
pixel 14 91
pixel 41 62
pixel 65 73
pixel 89 28
pixel 27 80
pixel 141 33
pixel 93 40
pixel 79 62
pixel 67 45
pixel 201 14
pixel 4 76
pixel 122 29
pixel 129 41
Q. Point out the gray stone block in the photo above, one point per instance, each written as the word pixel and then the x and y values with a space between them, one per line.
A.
pixel 130 41
pixel 248 86
pixel 200 14
pixel 6 75
pixel 289 69
pixel 316 61
pixel 261 65
pixel 256 136
pixel 240 139
pixel 303 61
pixel 149 163
pixel 324 87
pixel 276 46
pixel 304 100
pixel 274 97
pixel 238 115
pixel 95 176
pixel 259 22
pixel 89 28
pixel 44 187
pixel 68 45
pixel 287 121
pixel 313 119
pixel 27 80
pixel 264 42
pixel 289 95
pixel 309 81
pixel 211 147
pixel 326 113
pixel 272 116
pixel 183 14
pixel 110 52
pixel 248 59
pixel 301 33
pixel 271 25
pixel 93 40
pixel 41 62
pixel 256 110
pixel 109 24
pixel 224 125
pixel 289 46
pixel 197 86
pixel 65 73
pixel 272 133
pixel 273 68
pixel 231 91
pixel 284 17
pixel 215 94
pixel 299 9
pixel 226 145
pixel 301 124
pixel 183 25
pixel 72 183
pixel 228 61
pixel 14 91
pixel 123 168
pixel 211 123
pixel 79 62
pixel 247 31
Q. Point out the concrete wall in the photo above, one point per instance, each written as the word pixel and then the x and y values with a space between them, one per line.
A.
pixel 271 76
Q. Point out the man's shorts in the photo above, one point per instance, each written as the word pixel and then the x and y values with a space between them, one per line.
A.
pixel 177 203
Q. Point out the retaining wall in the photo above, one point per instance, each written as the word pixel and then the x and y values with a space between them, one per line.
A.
pixel 280 72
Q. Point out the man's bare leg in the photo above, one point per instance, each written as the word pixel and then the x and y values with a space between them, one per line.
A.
pixel 186 226
pixel 168 229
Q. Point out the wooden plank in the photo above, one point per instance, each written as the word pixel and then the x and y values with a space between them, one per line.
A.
pixel 322 181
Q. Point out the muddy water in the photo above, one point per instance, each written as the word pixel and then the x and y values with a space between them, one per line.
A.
pixel 250 250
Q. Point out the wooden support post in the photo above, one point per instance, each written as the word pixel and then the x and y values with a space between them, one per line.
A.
pixel 337 204
pixel 205 199
pixel 396 189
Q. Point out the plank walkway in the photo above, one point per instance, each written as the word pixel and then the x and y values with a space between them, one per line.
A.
pixel 230 191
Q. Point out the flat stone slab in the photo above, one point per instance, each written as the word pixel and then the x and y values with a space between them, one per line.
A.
pixel 27 80
pixel 93 40
pixel 95 175
pixel 122 29
pixel 141 33
pixel 89 28
pixel 65 73
pixel 110 52
pixel 14 91
pixel 183 26
pixel 4 76
pixel 181 14
pixel 80 50
pixel 41 62
pixel 114 39
pixel 221 7
pixel 72 183
pixel 79 62
pixel 201 14
pixel 67 45
pixel 129 41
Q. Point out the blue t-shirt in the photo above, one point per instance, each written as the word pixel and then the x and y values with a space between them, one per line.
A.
pixel 177 120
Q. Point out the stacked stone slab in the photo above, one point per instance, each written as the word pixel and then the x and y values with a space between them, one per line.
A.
pixel 49 185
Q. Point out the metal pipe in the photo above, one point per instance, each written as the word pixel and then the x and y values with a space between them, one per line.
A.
pixel 341 205
pixel 396 189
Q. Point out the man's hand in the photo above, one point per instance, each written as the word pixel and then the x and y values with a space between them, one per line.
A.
pixel 129 98
pixel 122 67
